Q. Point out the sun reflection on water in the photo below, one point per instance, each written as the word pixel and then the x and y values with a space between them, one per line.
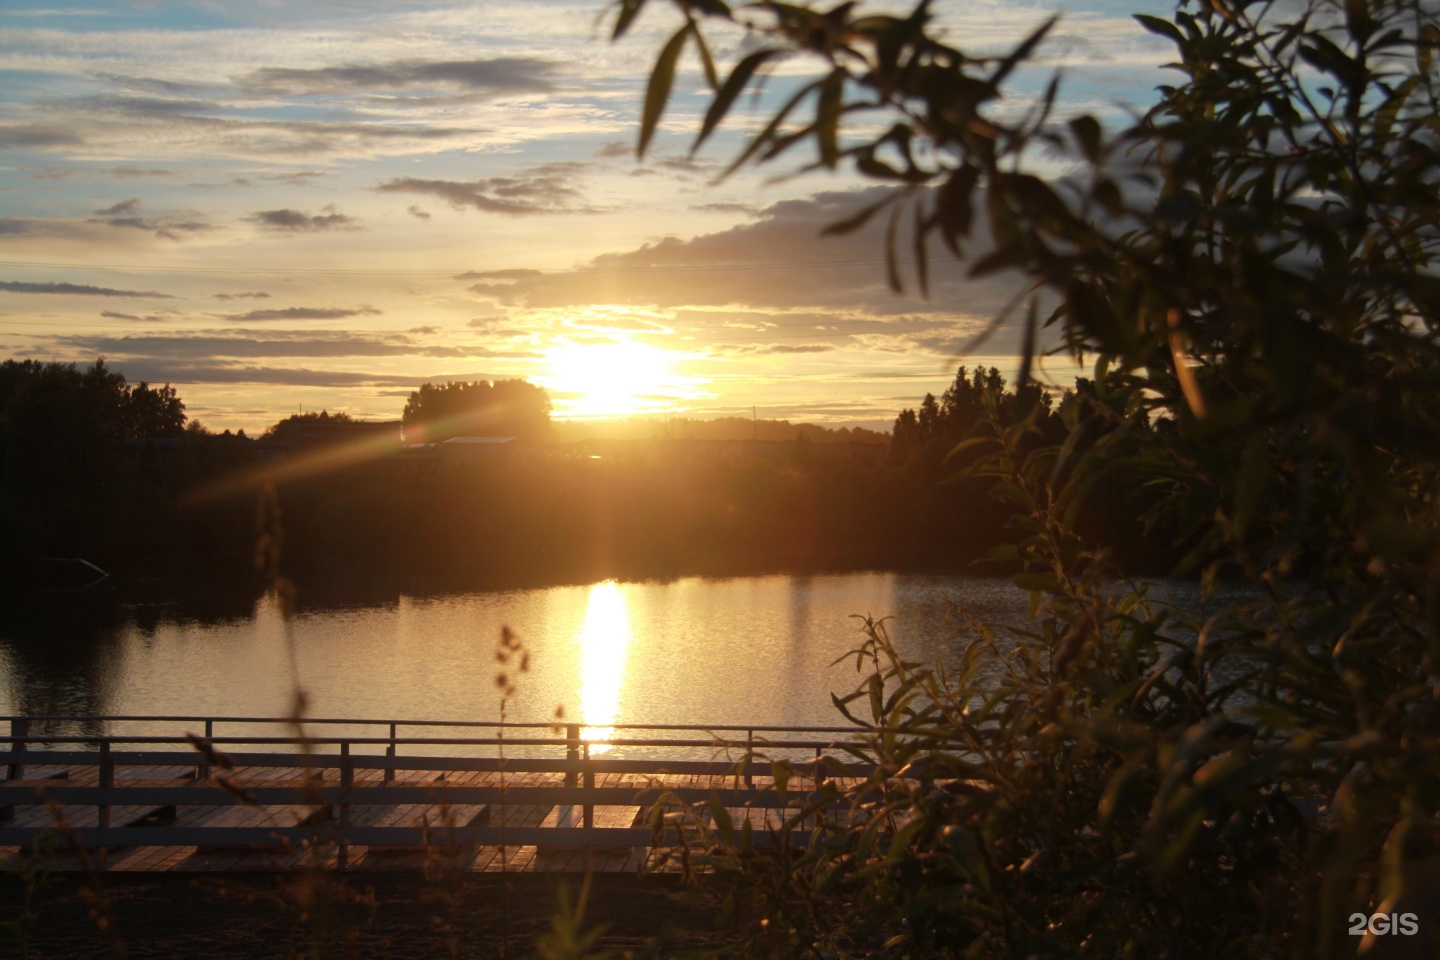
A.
pixel 604 639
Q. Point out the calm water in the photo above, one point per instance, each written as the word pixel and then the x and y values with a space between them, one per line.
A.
pixel 755 650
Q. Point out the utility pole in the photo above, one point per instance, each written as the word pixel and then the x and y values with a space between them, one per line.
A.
pixel 754 425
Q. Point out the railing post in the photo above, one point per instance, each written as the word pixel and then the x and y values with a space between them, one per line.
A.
pixel 19 727
pixel 572 751
pixel 107 783
pixel 749 752
pixel 202 772
pixel 347 782
pixel 589 785
pixel 390 752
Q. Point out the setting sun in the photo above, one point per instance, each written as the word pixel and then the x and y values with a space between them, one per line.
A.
pixel 610 379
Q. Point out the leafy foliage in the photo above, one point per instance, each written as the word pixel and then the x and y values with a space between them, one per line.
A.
pixel 1251 264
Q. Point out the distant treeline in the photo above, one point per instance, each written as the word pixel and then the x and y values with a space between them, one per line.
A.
pixel 721 428
pixel 99 468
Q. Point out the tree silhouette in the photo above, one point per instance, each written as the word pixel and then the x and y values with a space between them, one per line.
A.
pixel 153 413
pixel 296 424
pixel 504 408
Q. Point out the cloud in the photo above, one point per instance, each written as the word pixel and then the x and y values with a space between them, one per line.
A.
pixel 179 372
pixel 415 211
pixel 799 348
pixel 300 178
pixel 124 208
pixel 745 208
pixel 763 349
pixel 37 136
pixel 257 295
pixel 173 128
pixel 78 290
pixel 110 173
pixel 256 344
pixel 163 316
pixel 547 189
pixel 125 215
pixel 150 84
pixel 137 173
pixel 779 263
pixel 615 149
pixel 303 313
pixel 294 221
pixel 683 164
pixel 520 274
pixel 497 76
pixel 223 185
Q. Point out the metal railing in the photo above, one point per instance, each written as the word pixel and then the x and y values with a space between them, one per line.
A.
pixel 152 809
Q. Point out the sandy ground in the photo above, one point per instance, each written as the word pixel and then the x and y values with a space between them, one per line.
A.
pixel 374 916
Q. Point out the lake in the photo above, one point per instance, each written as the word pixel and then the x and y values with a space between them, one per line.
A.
pixel 750 650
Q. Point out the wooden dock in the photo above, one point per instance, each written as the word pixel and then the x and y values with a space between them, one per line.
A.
pixel 195 800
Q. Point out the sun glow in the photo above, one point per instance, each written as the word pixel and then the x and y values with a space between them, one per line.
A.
pixel 610 379
pixel 604 639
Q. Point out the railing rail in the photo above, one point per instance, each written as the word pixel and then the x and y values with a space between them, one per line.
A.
pixel 194 718
pixel 736 761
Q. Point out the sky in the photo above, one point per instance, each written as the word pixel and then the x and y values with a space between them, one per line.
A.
pixel 280 206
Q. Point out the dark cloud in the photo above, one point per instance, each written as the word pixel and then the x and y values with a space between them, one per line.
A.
pixel 498 76
pixel 415 211
pixel 137 173
pixel 494 326
pixel 280 376
pixel 778 264
pixel 125 208
pixel 78 289
pixel 294 221
pixel 151 84
pixel 682 164
pixel 257 295
pixel 303 313
pixel 268 139
pixel 111 173
pixel 258 344
pixel 169 371
pixel 615 149
pixel 37 136
pixel 744 208
pixel 521 274
pixel 300 178
pixel 223 185
pixel 126 215
pixel 16 228
pixel 546 189
pixel 163 316
pixel 315 138
pixel 127 105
